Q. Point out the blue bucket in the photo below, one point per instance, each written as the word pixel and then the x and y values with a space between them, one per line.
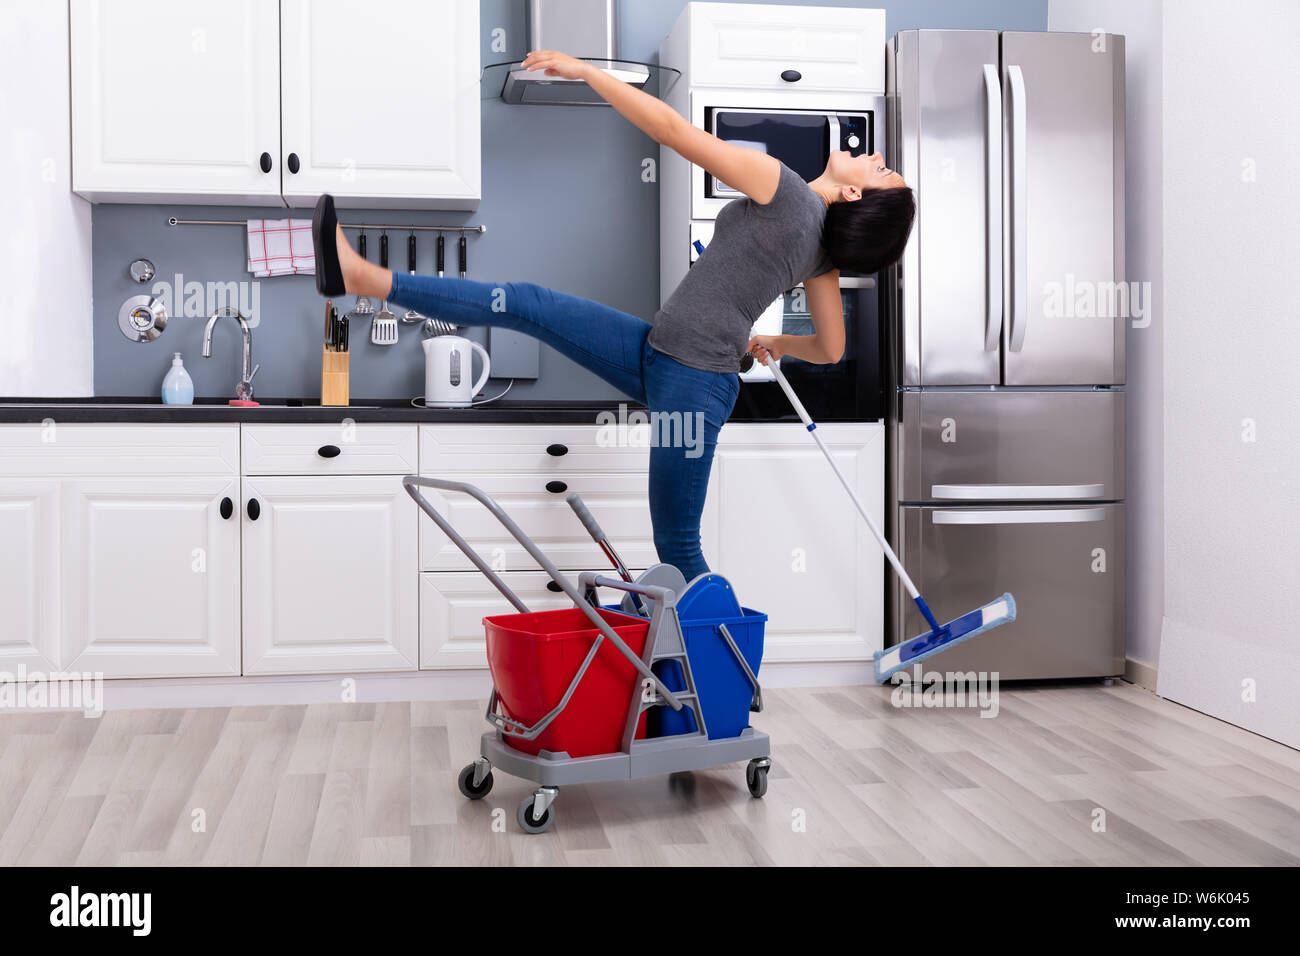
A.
pixel 724 689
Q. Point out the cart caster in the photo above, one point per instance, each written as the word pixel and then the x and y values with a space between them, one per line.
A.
pixel 527 816
pixel 756 775
pixel 466 780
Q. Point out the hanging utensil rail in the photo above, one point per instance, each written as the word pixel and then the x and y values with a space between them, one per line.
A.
pixel 173 221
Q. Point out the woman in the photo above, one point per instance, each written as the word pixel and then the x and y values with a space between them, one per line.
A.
pixel 855 215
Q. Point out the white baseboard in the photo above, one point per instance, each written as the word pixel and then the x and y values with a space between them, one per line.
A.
pixel 1141 673
pixel 468 684
pixel 314 689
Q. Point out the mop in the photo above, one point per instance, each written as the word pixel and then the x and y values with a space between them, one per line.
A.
pixel 939 637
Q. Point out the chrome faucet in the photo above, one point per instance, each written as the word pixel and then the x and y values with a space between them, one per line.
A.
pixel 244 390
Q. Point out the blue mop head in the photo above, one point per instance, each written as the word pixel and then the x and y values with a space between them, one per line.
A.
pixel 939 639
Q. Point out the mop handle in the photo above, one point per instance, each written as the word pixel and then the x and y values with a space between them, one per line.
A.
pixel 812 429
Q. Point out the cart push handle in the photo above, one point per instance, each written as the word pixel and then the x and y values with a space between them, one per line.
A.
pixel 410 483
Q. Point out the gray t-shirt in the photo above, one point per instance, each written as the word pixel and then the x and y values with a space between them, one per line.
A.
pixel 757 253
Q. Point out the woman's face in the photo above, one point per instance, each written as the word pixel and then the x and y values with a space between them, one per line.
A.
pixel 862 172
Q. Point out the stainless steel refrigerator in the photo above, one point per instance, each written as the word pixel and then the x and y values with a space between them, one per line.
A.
pixel 1005 436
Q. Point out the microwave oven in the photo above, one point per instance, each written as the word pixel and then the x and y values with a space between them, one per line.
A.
pixel 802 137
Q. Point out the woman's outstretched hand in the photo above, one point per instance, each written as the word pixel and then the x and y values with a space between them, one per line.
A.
pixel 764 347
pixel 558 64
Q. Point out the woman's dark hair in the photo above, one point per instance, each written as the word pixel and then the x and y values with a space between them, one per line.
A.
pixel 866 235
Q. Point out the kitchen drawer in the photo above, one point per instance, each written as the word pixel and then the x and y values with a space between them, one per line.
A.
pixel 1064 565
pixel 750 45
pixel 958 446
pixel 343 449
pixel 618 501
pixel 51 448
pixel 454 603
pixel 532 449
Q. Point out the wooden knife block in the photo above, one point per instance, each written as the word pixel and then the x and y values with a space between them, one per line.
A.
pixel 333 377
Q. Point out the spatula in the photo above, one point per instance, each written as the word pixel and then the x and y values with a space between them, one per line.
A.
pixel 383 327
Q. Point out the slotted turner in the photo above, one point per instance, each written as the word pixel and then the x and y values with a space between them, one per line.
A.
pixel 383 327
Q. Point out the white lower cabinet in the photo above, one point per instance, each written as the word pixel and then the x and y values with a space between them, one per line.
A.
pixel 151 580
pixel 454 603
pixel 537 504
pixel 789 539
pixel 141 551
pixel 329 569
pixel 29 574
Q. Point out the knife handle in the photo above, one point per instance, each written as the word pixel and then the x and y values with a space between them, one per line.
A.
pixel 463 249
pixel 442 253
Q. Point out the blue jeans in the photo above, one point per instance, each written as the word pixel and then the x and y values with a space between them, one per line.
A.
pixel 688 406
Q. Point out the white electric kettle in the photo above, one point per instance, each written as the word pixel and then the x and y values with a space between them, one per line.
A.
pixel 448 369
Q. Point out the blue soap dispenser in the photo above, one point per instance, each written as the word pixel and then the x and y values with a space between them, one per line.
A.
pixel 177 386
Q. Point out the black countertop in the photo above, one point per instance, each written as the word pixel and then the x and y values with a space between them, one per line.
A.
pixel 134 410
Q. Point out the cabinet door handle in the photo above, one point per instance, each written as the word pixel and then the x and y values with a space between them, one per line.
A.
pixel 265 162
pixel 254 509
pixel 791 76
pixel 556 487
pixel 227 509
pixel 292 162
pixel 553 587
pixel 557 450
pixel 329 451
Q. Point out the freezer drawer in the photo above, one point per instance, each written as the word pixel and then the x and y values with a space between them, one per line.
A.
pixel 1063 564
pixel 966 446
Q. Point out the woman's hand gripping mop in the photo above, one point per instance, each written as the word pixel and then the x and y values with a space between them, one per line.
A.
pixel 939 637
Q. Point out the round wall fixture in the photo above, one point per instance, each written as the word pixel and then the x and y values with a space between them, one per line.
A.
pixel 142 318
pixel 142 270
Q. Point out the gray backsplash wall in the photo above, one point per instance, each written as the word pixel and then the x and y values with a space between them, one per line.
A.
pixel 563 202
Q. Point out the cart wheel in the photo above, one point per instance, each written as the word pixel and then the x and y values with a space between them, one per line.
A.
pixel 756 778
pixel 531 824
pixel 466 783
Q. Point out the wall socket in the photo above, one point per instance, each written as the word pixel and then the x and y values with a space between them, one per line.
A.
pixel 514 355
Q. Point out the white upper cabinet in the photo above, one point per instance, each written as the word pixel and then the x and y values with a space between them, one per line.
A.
pixel 784 47
pixel 381 102
pixel 272 102
pixel 177 101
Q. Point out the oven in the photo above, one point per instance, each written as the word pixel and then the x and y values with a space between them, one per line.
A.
pixel 851 390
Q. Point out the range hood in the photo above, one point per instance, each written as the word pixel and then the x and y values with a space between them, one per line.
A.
pixel 583 28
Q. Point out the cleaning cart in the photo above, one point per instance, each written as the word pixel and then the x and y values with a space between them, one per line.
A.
pixel 556 730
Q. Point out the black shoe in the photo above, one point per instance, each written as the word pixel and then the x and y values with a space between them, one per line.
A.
pixel 324 241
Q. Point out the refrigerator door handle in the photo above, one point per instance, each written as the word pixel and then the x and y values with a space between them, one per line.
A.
pixel 993 206
pixel 1016 492
pixel 1018 291
pixel 1028 516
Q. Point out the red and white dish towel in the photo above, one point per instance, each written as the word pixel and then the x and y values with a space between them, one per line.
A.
pixel 280 247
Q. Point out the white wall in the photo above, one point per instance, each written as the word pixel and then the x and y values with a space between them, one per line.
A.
pixel 1232 338
pixel 1140 23
pixel 45 275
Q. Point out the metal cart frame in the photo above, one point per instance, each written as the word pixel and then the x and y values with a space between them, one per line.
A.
pixel 636 758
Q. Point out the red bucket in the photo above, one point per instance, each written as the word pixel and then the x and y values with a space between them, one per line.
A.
pixel 533 658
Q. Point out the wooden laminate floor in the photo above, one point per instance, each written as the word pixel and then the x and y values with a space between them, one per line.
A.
pixel 854 781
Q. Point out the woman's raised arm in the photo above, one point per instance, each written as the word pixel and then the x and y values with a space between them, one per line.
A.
pixel 753 173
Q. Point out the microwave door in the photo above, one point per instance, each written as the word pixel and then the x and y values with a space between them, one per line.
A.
pixel 800 140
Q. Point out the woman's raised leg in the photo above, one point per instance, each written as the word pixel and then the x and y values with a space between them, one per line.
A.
pixel 603 340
